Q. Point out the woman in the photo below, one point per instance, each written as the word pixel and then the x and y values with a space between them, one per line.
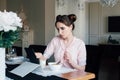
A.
pixel 67 49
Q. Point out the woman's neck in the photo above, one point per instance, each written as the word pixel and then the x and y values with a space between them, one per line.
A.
pixel 68 40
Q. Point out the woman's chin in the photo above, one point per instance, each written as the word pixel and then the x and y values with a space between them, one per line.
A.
pixel 63 37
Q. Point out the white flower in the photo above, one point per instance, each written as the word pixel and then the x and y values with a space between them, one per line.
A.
pixel 9 21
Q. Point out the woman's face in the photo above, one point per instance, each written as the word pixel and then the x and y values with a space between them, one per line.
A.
pixel 63 30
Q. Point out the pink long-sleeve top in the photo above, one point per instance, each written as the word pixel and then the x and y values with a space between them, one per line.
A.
pixel 76 49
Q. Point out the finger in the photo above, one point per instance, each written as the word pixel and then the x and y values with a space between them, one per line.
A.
pixel 38 55
pixel 65 56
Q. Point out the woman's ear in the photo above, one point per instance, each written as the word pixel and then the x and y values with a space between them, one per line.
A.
pixel 71 26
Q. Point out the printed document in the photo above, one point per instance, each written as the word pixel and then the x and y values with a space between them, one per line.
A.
pixel 24 69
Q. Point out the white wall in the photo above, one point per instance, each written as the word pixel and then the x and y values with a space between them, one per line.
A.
pixel 2 5
pixel 98 22
pixel 49 20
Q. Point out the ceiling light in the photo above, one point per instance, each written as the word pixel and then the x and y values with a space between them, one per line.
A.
pixel 108 2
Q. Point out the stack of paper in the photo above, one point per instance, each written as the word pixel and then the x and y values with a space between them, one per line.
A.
pixel 27 67
pixel 24 69
pixel 48 72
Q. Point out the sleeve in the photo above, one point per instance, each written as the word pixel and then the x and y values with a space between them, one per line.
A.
pixel 82 54
pixel 50 49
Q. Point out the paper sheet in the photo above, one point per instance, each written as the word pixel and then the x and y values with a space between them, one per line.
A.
pixel 24 69
pixel 48 72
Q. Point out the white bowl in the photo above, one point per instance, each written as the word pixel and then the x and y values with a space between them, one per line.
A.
pixel 17 59
pixel 54 66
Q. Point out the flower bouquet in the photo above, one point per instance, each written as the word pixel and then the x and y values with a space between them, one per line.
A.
pixel 10 26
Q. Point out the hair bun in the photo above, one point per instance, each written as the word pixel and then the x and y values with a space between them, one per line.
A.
pixel 72 17
pixel 58 17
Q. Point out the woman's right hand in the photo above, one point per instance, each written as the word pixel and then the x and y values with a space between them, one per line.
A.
pixel 39 55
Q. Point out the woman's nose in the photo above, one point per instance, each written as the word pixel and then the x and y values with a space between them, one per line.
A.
pixel 60 32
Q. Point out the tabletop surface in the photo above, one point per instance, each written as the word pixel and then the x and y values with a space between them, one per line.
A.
pixel 74 75
pixel 78 75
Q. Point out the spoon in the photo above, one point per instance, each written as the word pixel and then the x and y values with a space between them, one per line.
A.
pixel 58 62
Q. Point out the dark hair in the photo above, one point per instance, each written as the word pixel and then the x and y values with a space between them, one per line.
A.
pixel 66 19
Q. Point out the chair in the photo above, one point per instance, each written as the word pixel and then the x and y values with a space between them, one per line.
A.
pixel 31 55
pixel 38 48
pixel 93 59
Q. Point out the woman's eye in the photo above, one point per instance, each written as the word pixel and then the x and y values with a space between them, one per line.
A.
pixel 57 29
pixel 62 28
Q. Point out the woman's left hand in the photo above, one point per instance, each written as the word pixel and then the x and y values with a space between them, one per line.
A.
pixel 67 57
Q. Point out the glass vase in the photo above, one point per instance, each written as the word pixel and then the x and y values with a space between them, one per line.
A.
pixel 2 64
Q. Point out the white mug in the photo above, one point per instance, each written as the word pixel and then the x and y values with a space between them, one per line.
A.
pixel 42 63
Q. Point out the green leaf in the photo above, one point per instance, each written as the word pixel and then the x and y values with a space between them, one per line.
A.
pixel 9 38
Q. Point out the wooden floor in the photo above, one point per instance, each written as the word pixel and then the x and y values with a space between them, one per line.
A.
pixel 109 69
